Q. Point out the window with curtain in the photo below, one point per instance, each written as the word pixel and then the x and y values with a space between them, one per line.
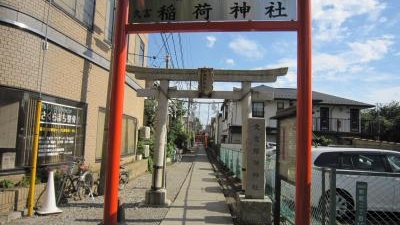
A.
pixel 110 12
pixel 258 109
pixel 129 134
pixel 83 11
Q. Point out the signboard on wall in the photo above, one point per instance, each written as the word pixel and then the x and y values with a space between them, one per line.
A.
pixel 60 130
pixel 150 11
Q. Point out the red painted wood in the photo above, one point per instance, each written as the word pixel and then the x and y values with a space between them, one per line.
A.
pixel 212 26
pixel 116 111
pixel 304 114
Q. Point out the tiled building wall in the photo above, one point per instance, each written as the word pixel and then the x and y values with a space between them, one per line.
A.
pixel 65 74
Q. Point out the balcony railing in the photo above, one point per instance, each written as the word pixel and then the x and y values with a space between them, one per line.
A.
pixel 336 125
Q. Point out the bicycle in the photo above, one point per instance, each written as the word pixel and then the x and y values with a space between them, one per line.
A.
pixel 123 177
pixel 77 181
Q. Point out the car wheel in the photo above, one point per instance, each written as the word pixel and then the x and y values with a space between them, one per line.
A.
pixel 344 206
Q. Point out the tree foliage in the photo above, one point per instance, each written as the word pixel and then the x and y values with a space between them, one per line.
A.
pixel 384 121
pixel 177 137
pixel 150 106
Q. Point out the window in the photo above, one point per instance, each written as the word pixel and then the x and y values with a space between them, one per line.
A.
pixel 101 118
pixel 280 106
pixel 129 134
pixel 354 120
pixel 61 133
pixel 81 10
pixel 394 162
pixel 368 162
pixel 136 50
pixel 140 51
pixel 329 159
pixel 258 109
pixel 108 30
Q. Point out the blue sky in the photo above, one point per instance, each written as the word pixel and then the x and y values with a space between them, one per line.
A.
pixel 356 51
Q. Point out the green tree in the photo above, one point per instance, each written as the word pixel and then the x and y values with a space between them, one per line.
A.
pixel 150 106
pixel 177 135
pixel 384 121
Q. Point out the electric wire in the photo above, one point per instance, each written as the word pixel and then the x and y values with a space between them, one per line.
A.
pixel 175 54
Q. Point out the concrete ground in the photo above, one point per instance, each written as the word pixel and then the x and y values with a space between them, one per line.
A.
pixel 192 187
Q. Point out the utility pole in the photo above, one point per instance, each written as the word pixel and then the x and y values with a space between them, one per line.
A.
pixel 379 121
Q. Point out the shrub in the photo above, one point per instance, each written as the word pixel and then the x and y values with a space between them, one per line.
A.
pixel 6 184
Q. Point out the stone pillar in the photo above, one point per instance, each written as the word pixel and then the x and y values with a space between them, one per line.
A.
pixel 157 194
pixel 246 114
pixel 253 207
pixel 255 188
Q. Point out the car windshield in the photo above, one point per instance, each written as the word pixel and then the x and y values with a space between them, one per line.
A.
pixel 394 162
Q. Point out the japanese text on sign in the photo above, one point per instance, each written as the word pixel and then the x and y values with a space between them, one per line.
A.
pixel 59 128
pixel 211 10
pixel 255 158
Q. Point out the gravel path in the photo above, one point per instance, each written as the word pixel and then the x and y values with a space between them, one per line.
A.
pixel 90 211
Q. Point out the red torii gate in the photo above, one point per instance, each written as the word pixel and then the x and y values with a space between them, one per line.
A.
pixel 304 95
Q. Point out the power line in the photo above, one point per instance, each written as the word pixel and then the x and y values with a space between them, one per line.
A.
pixel 176 55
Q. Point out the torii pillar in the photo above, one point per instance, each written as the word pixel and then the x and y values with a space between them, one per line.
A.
pixel 246 114
pixel 157 195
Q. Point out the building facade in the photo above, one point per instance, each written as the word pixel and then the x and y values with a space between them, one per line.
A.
pixel 332 115
pixel 60 51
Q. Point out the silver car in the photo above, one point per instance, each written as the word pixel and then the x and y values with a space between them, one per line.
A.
pixel 379 169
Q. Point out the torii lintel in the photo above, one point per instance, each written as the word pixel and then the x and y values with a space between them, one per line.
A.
pixel 269 75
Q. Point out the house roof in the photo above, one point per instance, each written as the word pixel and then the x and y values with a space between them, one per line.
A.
pixel 321 98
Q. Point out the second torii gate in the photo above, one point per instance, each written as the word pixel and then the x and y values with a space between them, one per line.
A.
pixel 157 194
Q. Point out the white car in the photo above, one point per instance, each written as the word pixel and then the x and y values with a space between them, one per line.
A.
pixel 270 148
pixel 380 169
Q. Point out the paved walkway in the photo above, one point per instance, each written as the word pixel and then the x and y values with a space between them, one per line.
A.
pixel 191 185
pixel 200 200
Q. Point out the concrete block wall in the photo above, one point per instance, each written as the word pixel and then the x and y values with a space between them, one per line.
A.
pixel 15 199
pixel 364 143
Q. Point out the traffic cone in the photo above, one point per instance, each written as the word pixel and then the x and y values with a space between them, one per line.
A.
pixel 49 205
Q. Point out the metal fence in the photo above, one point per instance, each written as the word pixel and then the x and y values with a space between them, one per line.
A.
pixel 346 197
pixel 337 196
pixel 232 159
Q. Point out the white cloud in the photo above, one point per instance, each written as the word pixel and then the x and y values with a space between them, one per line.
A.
pixel 290 79
pixel 354 60
pixel 211 41
pixel 351 64
pixel 372 49
pixel 329 16
pixel 383 95
pixel 247 48
pixel 230 62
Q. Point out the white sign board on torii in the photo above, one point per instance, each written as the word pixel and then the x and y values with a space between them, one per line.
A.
pixel 150 11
